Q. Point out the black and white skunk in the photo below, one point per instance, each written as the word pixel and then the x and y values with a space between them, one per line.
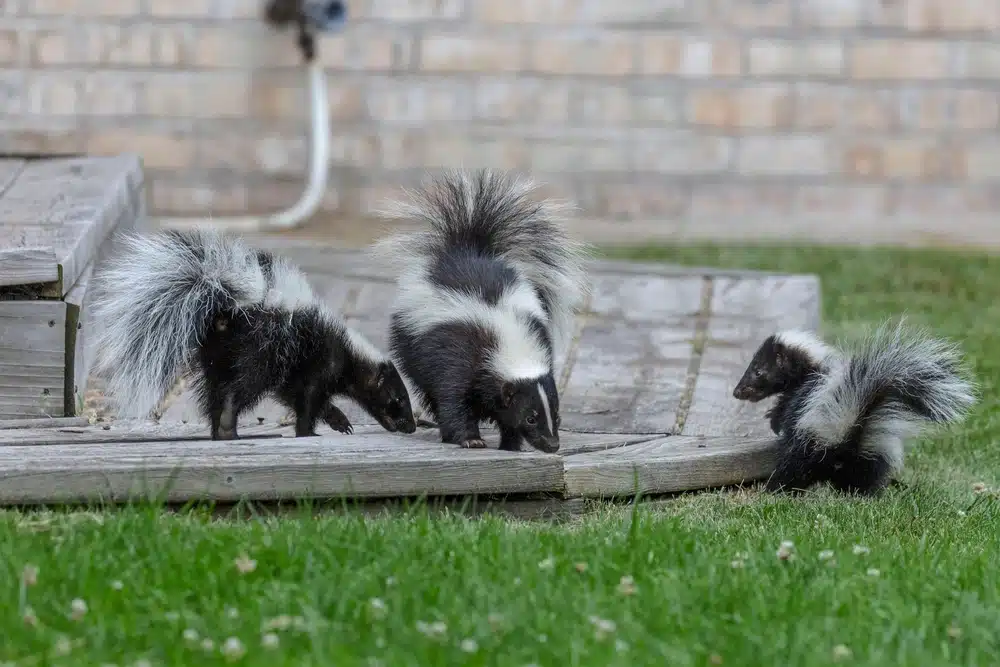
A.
pixel 843 416
pixel 243 324
pixel 486 297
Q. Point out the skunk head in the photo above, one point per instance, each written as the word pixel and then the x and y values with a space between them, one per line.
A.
pixel 781 363
pixel 531 409
pixel 383 395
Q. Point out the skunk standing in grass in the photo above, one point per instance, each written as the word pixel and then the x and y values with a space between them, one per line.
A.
pixel 842 416
pixel 244 324
pixel 486 294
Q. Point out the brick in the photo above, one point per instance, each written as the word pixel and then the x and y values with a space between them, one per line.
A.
pixel 768 106
pixel 727 200
pixel 690 57
pixel 832 13
pixel 473 151
pixel 862 200
pixel 181 8
pixel 950 109
pixel 603 104
pixel 609 55
pixel 657 105
pixel 494 100
pixel 541 101
pixel 158 149
pixel 821 106
pixel 907 158
pixel 85 7
pixel 978 60
pixel 527 11
pixel 41 136
pixel 418 102
pixel 221 47
pixel 899 59
pixel 983 161
pixel 276 154
pixel 939 16
pixel 104 94
pixel 280 97
pixel 53 95
pixel 365 50
pixel 628 201
pixel 680 152
pixel 459 53
pixel 753 13
pixel 10 46
pixel 414 10
pixel 120 45
pixel 783 156
pixel 570 155
pixel 788 58
pixel 215 96
pixel 195 194
pixel 53 47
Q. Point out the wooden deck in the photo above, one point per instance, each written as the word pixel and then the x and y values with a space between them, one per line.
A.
pixel 645 393
pixel 645 386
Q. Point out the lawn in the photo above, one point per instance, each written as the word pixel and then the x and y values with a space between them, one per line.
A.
pixel 909 578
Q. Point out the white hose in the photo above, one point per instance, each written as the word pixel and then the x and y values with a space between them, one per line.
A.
pixel 319 166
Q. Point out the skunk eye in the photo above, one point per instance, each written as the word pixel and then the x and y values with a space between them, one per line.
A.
pixel 530 420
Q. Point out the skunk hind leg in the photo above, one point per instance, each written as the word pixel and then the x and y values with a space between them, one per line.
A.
pixel 223 414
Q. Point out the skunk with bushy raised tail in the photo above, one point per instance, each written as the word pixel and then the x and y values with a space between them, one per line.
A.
pixel 486 296
pixel 843 415
pixel 243 324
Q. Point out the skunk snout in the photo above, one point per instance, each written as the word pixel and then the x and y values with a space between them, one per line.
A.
pixel 406 425
pixel 547 444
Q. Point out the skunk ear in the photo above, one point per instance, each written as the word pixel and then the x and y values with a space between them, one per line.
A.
pixel 506 394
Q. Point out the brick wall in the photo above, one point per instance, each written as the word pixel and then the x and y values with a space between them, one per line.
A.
pixel 673 116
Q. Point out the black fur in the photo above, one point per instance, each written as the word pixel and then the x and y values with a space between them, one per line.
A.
pixel 486 238
pixel 304 362
pixel 194 303
pixel 448 367
pixel 893 378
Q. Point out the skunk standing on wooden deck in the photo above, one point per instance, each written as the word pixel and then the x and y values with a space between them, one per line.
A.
pixel 843 416
pixel 485 296
pixel 244 324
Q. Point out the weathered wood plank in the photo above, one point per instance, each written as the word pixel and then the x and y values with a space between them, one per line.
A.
pixel 643 298
pixel 334 466
pixel 42 423
pixel 24 266
pixel 669 465
pixel 627 378
pixel 70 205
pixel 744 312
pixel 32 358
pixel 129 432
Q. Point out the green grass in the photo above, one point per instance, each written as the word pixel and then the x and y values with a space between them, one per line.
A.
pixel 513 592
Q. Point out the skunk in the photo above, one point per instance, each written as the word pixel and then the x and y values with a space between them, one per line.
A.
pixel 842 416
pixel 486 296
pixel 242 323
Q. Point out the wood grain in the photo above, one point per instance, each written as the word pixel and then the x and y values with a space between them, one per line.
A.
pixel 669 465
pixel 32 358
pixel 627 378
pixel 744 312
pixel 25 266
pixel 265 470
pixel 70 205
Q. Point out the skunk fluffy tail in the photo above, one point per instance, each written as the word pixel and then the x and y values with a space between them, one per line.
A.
pixel 491 213
pixel 154 302
pixel 889 387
